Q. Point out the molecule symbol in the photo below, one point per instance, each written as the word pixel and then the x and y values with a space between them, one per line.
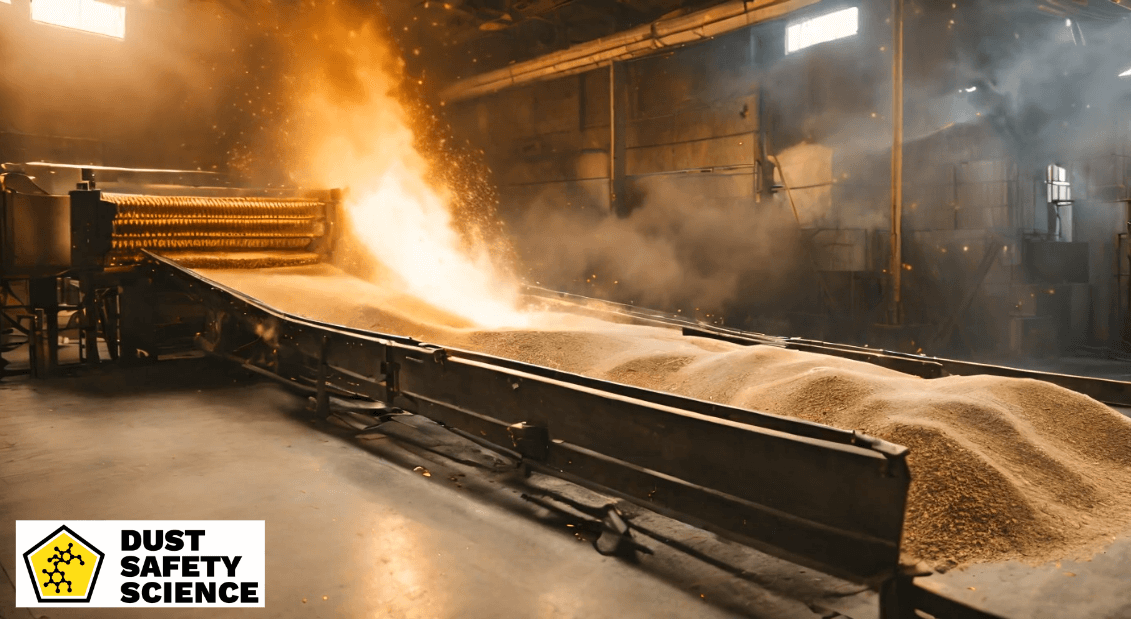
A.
pixel 56 576
pixel 65 556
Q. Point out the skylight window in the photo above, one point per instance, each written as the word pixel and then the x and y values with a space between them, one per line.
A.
pixel 86 15
pixel 829 27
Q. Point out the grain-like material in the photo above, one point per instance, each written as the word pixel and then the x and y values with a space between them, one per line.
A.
pixel 1001 468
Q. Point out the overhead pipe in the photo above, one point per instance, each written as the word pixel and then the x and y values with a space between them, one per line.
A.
pixel 634 43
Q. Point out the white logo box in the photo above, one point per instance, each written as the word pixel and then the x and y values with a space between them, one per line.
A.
pixel 119 581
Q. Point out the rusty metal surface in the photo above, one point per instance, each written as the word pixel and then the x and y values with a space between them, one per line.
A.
pixel 35 234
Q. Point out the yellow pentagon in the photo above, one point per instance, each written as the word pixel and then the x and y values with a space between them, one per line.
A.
pixel 64 568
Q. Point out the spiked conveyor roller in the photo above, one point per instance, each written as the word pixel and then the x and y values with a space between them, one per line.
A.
pixel 241 232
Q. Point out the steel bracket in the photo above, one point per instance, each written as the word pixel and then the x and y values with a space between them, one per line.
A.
pixel 531 441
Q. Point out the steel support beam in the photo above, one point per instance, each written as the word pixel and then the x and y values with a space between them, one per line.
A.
pixel 895 265
pixel 618 108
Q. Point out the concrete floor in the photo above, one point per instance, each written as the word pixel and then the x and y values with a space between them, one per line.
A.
pixel 352 531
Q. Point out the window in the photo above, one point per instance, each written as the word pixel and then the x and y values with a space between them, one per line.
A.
pixel 830 27
pixel 1056 182
pixel 88 15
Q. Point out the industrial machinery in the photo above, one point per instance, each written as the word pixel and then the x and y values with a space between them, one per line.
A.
pixel 71 238
pixel 119 252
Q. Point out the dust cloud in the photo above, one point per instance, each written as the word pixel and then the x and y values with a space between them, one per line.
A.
pixel 678 249
pixel 348 126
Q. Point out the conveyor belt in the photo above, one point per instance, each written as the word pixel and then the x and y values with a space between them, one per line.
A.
pixel 1108 391
pixel 822 497
pixel 782 475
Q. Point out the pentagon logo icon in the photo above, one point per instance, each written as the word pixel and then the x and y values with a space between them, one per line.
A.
pixel 63 567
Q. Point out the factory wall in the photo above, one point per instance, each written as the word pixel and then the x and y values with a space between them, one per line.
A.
pixel 698 231
pixel 178 91
pixel 703 121
pixel 1101 173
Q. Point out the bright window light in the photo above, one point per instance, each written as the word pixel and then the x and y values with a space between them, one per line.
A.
pixel 88 15
pixel 1126 73
pixel 1056 182
pixel 830 27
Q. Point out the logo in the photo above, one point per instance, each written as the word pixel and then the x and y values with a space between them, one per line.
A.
pixel 141 563
pixel 64 567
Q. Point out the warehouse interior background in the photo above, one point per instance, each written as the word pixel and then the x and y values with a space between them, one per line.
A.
pixel 785 308
pixel 755 181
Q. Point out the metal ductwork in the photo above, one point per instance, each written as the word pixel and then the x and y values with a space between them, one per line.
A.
pixel 634 43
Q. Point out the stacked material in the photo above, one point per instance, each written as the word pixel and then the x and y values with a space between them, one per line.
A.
pixel 1002 468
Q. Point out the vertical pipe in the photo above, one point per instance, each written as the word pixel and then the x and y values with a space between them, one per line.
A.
pixel 90 318
pixel 895 269
pixel 33 345
pixel 1119 310
pixel 110 322
pixel 618 107
pixel 759 134
pixel 43 294
pixel 40 345
pixel 3 327
pixel 1126 249
pixel 765 172
pixel 52 339
pixel 612 137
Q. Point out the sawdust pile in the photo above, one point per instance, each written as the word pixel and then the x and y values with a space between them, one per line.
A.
pixel 1002 468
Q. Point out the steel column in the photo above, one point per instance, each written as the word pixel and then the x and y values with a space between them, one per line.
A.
pixel 618 105
pixel 895 266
